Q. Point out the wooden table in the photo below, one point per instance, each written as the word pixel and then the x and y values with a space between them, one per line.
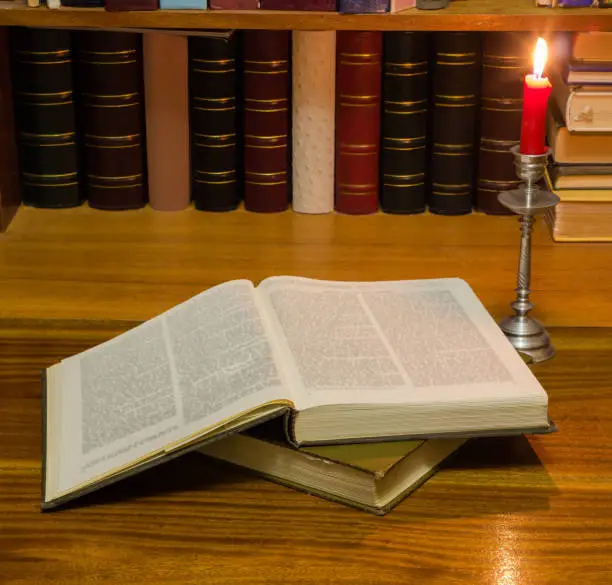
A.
pixel 502 511
pixel 515 511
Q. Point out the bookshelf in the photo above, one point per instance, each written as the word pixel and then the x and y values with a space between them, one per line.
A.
pixel 482 15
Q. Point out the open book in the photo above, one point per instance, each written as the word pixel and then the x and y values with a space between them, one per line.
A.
pixel 346 362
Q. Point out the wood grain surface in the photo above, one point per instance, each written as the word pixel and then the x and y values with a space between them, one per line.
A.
pixel 460 15
pixel 88 264
pixel 508 511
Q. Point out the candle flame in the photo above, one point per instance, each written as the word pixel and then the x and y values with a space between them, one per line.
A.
pixel 539 58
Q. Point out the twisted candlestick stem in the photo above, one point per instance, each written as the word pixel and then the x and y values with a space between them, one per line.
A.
pixel 522 305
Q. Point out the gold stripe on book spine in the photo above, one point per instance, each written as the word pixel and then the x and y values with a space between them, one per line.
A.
pixel 207 99
pixel 60 135
pixel 269 101
pixel 413 176
pixel 124 137
pixel 265 111
pixel 393 74
pixel 66 93
pixel 107 96
pixel 488 66
pixel 405 140
pixel 451 194
pixel 131 105
pixel 198 60
pixel 116 178
pixel 50 185
pixel 200 109
pixel 37 104
pixel 58 52
pixel 265 146
pixel 215 145
pixel 398 113
pixel 216 173
pixel 130 186
pixel 230 135
pixel 438 153
pixel 62 62
pixel 125 52
pixel 404 148
pixel 406 64
pixel 270 183
pixel 229 181
pixel 462 186
pixel 457 54
pixel 277 62
pixel 403 185
pixel 126 62
pixel 90 145
pixel 398 103
pixel 74 174
pixel 455 63
pixel 280 71
pixel 214 70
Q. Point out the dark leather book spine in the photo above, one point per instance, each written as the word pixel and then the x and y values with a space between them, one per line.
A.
pixel 111 106
pixel 405 94
pixel 506 58
pixel 10 195
pixel 45 117
pixel 84 3
pixel 358 89
pixel 266 120
pixel 456 85
pixel 215 180
pixel 363 6
pixel 136 5
pixel 314 5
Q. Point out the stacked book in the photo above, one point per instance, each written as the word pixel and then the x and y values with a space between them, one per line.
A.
pixel 580 138
pixel 355 392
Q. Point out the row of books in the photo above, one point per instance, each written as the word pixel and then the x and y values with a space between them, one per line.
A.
pixel 580 136
pixel 343 6
pixel 574 3
pixel 351 121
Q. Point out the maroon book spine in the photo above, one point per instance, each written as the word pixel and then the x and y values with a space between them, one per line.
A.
pixel 233 4
pixel 136 5
pixel 358 94
pixel 309 5
pixel 266 120
pixel 9 165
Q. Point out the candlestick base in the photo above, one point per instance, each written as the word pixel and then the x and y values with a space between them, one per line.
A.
pixel 527 335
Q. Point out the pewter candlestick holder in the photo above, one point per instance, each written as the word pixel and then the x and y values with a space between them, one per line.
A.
pixel 525 333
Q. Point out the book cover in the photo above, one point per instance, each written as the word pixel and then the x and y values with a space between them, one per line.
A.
pixel 136 5
pixel 112 122
pixel 45 117
pixel 456 89
pixel 313 120
pixel 233 4
pixel 506 58
pixel 314 5
pixel 10 196
pixel 213 86
pixel 183 4
pixel 358 94
pixel 165 60
pixel 267 118
pixel 405 96
pixel 363 6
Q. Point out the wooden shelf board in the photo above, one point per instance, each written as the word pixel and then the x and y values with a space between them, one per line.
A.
pixel 129 266
pixel 481 15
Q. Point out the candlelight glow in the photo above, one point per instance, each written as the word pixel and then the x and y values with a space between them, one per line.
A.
pixel 539 58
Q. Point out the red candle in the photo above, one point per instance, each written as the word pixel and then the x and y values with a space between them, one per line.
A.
pixel 535 100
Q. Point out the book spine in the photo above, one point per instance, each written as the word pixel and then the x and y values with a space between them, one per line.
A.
pixel 456 80
pixel 215 184
pixel 314 5
pixel 363 6
pixel 233 4
pixel 183 4
pixel 45 117
pixel 9 163
pixel 165 60
pixel 313 132
pixel 405 93
pixel 136 5
pixel 109 67
pixel 358 89
pixel 506 57
pixel 266 120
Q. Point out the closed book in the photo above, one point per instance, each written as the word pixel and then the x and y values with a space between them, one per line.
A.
pixel 166 66
pixel 363 6
pixel 374 477
pixel 456 87
pixel 585 73
pixel 314 5
pixel 111 105
pixel 135 5
pixel 575 147
pixel 590 46
pixel 183 4
pixel 313 120
pixel 233 4
pixel 83 3
pixel 584 108
pixel 215 181
pixel 46 117
pixel 358 93
pixel 405 95
pixel 506 58
pixel 580 176
pixel 10 195
pixel 267 119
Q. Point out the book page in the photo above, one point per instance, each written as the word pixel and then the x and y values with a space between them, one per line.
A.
pixel 392 342
pixel 193 367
